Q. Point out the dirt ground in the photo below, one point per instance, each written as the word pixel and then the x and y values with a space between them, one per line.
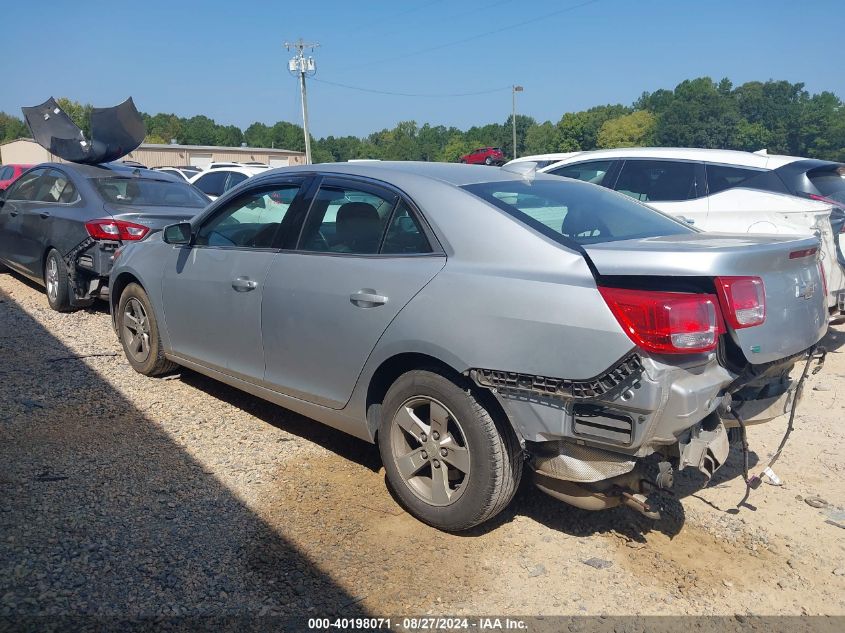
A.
pixel 121 494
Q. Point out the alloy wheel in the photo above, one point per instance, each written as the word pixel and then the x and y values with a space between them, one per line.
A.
pixel 430 451
pixel 52 279
pixel 136 330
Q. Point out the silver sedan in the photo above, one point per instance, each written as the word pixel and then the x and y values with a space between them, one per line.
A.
pixel 471 320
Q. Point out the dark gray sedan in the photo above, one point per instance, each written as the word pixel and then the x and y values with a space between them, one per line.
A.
pixel 60 224
pixel 470 320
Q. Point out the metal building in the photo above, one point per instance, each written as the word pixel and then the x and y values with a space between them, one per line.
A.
pixel 28 152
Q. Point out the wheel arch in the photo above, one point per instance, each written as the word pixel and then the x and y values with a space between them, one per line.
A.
pixel 117 287
pixel 392 368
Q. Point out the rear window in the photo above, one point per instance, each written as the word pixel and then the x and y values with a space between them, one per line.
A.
pixel 149 192
pixel 722 177
pixel 830 182
pixel 577 212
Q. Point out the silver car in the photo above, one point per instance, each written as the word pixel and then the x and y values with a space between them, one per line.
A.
pixel 471 320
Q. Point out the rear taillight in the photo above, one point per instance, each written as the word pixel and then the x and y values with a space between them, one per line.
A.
pixel 823 278
pixel 116 230
pixel 743 300
pixel 666 322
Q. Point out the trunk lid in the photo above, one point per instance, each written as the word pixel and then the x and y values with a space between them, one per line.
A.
pixel 154 217
pixel 796 308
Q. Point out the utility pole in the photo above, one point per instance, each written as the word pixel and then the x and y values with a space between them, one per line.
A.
pixel 301 65
pixel 514 90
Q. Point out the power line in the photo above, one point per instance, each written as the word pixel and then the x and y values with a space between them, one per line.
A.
pixel 475 37
pixel 390 18
pixel 409 94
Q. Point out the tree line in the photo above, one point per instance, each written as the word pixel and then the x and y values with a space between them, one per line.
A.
pixel 780 116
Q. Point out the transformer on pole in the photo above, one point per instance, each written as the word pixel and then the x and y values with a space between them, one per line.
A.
pixel 301 65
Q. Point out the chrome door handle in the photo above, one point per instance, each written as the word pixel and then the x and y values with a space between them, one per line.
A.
pixel 44 215
pixel 244 284
pixel 367 298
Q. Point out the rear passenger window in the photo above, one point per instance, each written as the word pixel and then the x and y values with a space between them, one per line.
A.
pixel 593 171
pixel 657 180
pixel 722 177
pixel 346 220
pixel 404 234
pixel 212 183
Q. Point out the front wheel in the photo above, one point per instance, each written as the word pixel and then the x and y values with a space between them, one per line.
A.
pixel 488 161
pixel 450 463
pixel 139 335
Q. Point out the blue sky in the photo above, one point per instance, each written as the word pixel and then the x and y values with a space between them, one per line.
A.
pixel 225 59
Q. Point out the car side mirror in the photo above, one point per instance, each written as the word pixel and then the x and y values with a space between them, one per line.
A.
pixel 178 234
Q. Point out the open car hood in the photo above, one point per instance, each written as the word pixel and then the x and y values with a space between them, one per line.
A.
pixel 115 132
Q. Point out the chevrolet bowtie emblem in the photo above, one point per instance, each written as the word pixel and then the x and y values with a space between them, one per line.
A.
pixel 805 291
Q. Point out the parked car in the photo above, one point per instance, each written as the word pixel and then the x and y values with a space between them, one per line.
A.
pixel 716 190
pixel 216 180
pixel 543 160
pixel 10 173
pixel 184 172
pixel 468 319
pixel 60 224
pixel 820 180
pixel 485 156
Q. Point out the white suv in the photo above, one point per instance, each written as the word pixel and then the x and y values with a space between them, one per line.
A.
pixel 716 190
pixel 219 178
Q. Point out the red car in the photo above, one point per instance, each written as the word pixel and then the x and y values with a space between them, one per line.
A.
pixel 10 173
pixel 485 155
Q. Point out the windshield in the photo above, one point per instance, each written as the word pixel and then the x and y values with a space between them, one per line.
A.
pixel 577 212
pixel 829 182
pixel 149 192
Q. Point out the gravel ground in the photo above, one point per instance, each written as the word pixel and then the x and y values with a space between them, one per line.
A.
pixel 122 495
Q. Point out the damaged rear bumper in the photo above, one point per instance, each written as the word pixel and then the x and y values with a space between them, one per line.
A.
pixel 89 265
pixel 594 444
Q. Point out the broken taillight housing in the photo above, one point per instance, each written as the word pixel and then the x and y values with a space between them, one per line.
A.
pixel 666 322
pixel 743 300
pixel 116 230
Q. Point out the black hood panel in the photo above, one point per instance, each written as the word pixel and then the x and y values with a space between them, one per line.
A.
pixel 115 132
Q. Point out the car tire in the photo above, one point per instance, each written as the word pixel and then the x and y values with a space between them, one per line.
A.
pixel 463 161
pixel 139 335
pixel 57 282
pixel 488 161
pixel 449 461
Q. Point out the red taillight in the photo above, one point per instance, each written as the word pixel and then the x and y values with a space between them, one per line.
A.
pixel 823 277
pixel 116 230
pixel 666 322
pixel 804 252
pixel 743 300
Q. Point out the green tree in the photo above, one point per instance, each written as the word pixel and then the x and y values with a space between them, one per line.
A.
pixel 541 139
pixel 629 130
pixel 12 128
pixel 700 115
pixel 80 114
pixel 579 130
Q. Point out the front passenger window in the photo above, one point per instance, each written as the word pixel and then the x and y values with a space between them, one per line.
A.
pixel 251 220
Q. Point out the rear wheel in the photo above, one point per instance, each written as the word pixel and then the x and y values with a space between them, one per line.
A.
pixel 57 282
pixel 450 463
pixel 488 161
pixel 139 335
pixel 463 161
